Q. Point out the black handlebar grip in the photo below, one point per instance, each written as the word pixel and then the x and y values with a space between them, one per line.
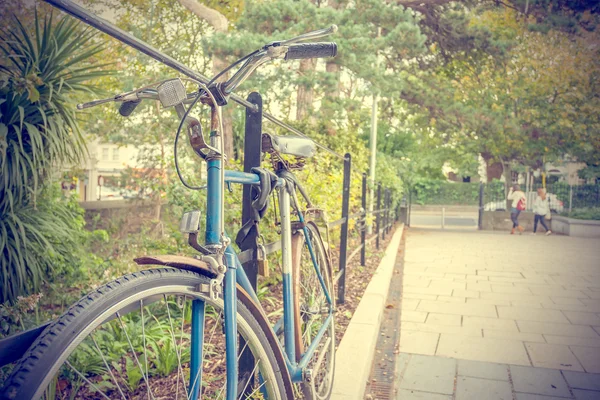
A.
pixel 127 107
pixel 311 50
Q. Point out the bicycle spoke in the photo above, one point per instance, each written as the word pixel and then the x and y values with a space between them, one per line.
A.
pixel 134 354
pixel 86 379
pixel 250 378
pixel 180 370
pixel 257 389
pixel 107 367
pixel 144 340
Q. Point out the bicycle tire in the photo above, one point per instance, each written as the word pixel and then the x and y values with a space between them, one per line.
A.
pixel 42 361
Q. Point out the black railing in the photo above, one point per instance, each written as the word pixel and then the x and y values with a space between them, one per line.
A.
pixel 562 197
pixel 383 225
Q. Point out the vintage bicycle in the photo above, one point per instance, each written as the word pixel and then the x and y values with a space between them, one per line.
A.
pixel 219 342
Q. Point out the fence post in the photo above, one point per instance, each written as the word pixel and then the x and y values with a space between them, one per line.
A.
pixel 363 232
pixel 443 216
pixel 344 229
pixel 570 198
pixel 378 215
pixel 252 154
pixel 389 210
pixel 480 220
pixel 384 230
pixel 409 213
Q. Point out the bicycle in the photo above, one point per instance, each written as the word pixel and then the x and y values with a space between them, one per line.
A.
pixel 82 355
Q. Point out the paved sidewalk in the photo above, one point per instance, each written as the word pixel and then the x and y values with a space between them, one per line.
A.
pixel 529 302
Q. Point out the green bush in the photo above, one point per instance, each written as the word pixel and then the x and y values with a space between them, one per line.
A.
pixel 437 192
pixel 42 69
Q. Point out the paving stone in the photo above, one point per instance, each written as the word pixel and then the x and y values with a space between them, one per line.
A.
pixel 482 349
pixel 529 396
pixel 539 381
pixel 431 374
pixel 586 394
pixel 418 342
pixel 551 328
pixel 521 336
pixel 552 356
pixel 581 380
pixel 532 314
pixel 465 293
pixel 510 289
pixel 486 370
pixel 451 299
pixel 443 319
pixel 495 302
pixel 413 316
pixel 419 296
pixel 479 286
pixel 589 357
pixel 582 318
pixel 565 300
pixel 458 309
pixel 457 330
pixel 507 274
pixel 409 304
pixel 491 323
pixel 406 394
pixel 573 341
pixel 428 290
pixel 468 388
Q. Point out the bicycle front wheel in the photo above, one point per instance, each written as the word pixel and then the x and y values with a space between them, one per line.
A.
pixel 132 339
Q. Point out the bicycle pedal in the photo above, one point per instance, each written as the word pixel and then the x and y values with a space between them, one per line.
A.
pixel 190 222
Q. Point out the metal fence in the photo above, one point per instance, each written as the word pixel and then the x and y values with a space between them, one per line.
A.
pixel 385 216
pixel 563 197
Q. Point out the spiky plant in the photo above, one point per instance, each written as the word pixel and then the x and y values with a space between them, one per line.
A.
pixel 41 69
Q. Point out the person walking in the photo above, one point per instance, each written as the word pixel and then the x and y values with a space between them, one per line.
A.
pixel 541 208
pixel 519 203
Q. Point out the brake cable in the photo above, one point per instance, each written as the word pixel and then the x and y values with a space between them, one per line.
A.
pixel 201 92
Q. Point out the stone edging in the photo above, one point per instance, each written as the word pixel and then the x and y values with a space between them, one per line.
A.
pixel 576 221
pixel 356 350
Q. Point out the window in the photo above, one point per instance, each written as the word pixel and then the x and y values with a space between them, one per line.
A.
pixel 105 154
pixel 116 154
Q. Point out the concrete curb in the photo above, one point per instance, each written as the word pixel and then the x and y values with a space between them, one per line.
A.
pixel 355 353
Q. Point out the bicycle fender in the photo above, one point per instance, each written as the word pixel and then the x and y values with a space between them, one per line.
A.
pixel 179 262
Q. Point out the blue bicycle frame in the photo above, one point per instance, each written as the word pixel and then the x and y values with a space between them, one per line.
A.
pixel 236 274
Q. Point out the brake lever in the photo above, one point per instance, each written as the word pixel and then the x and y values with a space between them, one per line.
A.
pixel 319 33
pixel 94 103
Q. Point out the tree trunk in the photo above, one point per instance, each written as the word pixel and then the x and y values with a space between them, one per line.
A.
pixel 305 94
pixel 508 182
pixel 493 169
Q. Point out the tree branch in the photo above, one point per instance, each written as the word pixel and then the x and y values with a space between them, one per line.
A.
pixel 217 20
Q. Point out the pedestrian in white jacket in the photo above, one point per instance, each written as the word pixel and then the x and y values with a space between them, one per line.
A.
pixel 541 208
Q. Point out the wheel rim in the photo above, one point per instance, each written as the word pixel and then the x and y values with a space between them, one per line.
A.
pixel 153 353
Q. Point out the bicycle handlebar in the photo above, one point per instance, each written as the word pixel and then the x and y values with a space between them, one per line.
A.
pixel 282 49
pixel 311 50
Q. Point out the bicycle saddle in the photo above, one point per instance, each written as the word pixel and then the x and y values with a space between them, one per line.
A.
pixel 295 146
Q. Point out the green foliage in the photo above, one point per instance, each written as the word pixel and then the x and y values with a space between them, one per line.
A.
pixel 436 192
pixel 38 78
pixel 585 213
pixel 43 68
